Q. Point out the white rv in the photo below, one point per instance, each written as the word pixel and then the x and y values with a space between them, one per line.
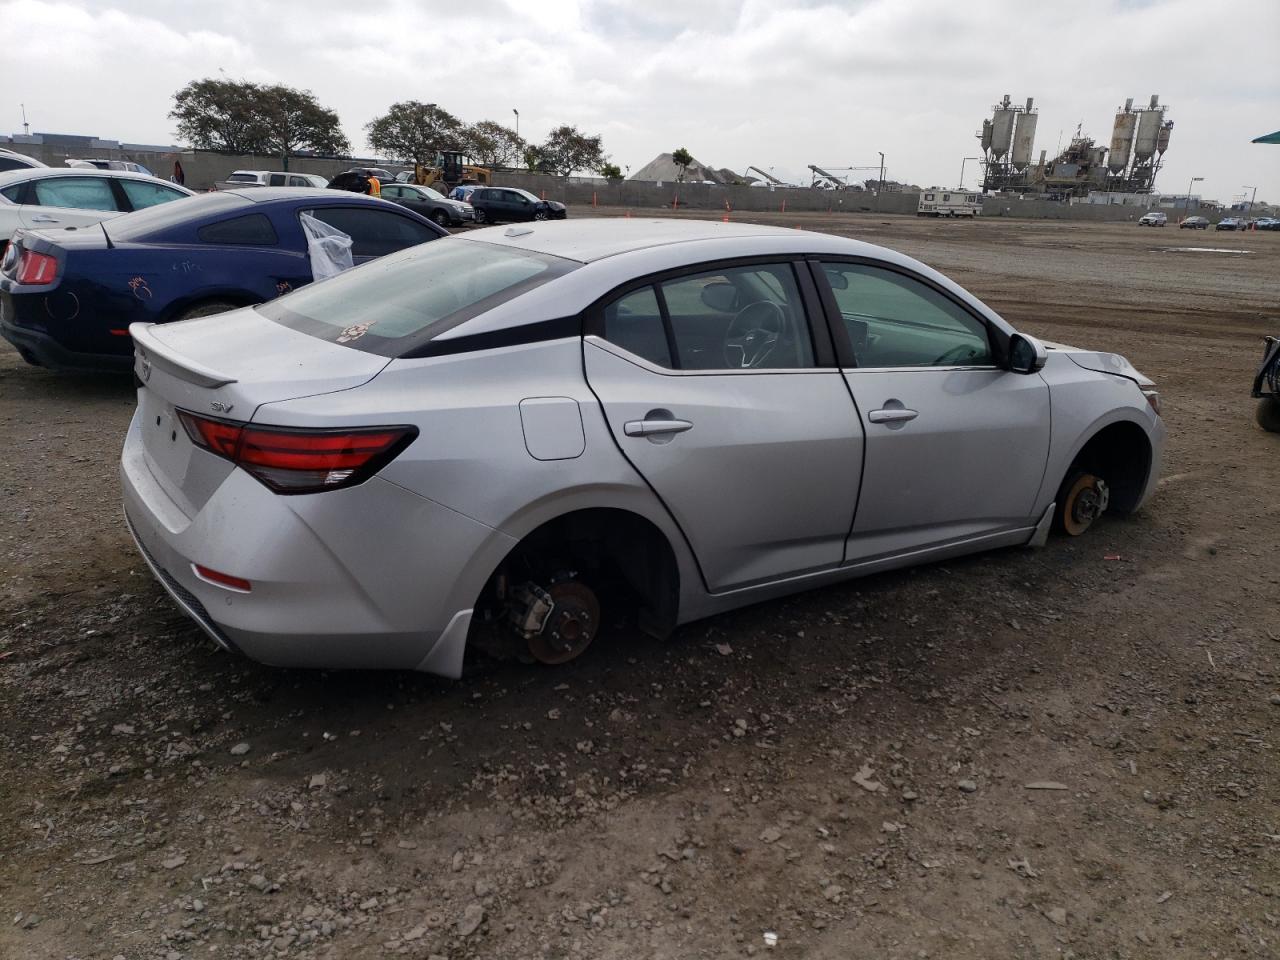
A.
pixel 949 203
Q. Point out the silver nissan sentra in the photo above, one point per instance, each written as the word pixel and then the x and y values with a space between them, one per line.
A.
pixel 550 427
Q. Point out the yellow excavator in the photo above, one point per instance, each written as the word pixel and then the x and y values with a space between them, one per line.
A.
pixel 451 170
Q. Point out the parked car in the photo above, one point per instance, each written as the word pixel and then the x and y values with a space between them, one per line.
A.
pixel 51 197
pixel 126 165
pixel 12 160
pixel 1268 223
pixel 430 203
pixel 1194 223
pixel 67 299
pixel 503 204
pixel 271 178
pixel 1153 220
pixel 552 427
pixel 1229 223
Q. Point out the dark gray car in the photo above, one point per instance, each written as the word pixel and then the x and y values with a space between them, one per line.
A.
pixel 430 203
pixel 505 204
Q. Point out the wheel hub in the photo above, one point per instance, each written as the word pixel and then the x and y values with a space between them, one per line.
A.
pixel 570 627
pixel 1091 502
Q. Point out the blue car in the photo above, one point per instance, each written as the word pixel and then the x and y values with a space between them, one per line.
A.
pixel 67 297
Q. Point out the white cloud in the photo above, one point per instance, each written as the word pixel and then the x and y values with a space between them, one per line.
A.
pixel 735 81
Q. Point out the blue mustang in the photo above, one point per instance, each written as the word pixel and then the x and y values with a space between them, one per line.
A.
pixel 67 297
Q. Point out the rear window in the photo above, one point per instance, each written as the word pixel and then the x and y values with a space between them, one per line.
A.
pixel 243 178
pixel 144 223
pixel 393 305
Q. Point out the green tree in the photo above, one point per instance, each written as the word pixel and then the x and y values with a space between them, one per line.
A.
pixel 567 149
pixel 294 120
pixel 414 132
pixel 681 158
pixel 236 116
pixel 220 115
pixel 490 144
pixel 611 171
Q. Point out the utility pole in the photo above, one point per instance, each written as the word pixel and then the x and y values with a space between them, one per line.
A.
pixel 1193 180
pixel 26 127
pixel 881 190
pixel 517 113
pixel 1249 209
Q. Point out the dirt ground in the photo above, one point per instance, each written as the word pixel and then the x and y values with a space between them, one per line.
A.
pixel 846 773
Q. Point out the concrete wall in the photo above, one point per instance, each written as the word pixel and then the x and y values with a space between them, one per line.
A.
pixel 203 168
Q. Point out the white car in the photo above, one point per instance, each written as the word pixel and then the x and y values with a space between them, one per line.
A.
pixel 552 425
pixel 271 178
pixel 96 164
pixel 47 198
pixel 1153 220
pixel 12 160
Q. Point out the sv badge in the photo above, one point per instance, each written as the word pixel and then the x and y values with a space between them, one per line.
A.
pixel 217 406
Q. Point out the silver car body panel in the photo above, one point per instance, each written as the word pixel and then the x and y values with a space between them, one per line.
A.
pixel 781 482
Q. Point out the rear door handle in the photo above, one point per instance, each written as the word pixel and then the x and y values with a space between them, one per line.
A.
pixel 654 428
pixel 892 415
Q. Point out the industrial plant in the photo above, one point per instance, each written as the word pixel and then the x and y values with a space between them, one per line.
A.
pixel 1139 139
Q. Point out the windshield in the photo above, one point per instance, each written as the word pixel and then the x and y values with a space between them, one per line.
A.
pixel 397 303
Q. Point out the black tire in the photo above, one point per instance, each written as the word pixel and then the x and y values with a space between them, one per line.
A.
pixel 207 309
pixel 441 218
pixel 1268 414
pixel 540 215
pixel 481 216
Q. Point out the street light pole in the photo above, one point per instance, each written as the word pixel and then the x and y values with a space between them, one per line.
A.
pixel 517 113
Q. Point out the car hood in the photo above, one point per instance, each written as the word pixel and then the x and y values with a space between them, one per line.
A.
pixel 1101 362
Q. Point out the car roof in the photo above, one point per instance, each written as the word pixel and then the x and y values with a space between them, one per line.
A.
pixel 40 173
pixel 592 239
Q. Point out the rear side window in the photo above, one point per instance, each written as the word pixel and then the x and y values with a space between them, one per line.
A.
pixel 275 180
pixel 12 193
pixel 85 193
pixel 397 304
pixel 251 230
pixel 9 163
pixel 374 233
pixel 143 194
pixel 634 322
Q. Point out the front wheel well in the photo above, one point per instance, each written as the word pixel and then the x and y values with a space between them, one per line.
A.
pixel 1121 455
pixel 620 554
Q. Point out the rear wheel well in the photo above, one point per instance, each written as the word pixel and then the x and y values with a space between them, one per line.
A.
pixel 622 556
pixel 179 310
pixel 1121 455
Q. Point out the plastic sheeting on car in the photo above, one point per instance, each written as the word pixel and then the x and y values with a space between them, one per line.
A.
pixel 328 248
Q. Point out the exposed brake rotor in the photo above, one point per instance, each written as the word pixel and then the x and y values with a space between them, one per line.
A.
pixel 570 627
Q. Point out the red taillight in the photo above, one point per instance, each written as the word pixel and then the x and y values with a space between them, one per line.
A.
pixel 299 460
pixel 36 268
pixel 222 579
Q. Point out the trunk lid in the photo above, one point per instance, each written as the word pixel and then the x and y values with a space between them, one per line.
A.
pixel 225 366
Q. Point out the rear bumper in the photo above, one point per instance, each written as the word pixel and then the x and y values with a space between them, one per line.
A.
pixel 40 348
pixel 371 576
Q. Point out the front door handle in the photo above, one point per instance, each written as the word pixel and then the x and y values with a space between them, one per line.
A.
pixel 42 218
pixel 655 428
pixel 892 415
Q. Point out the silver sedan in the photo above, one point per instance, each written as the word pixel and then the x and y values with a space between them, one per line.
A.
pixel 548 426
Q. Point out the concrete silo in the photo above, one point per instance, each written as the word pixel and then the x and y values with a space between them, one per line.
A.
pixel 1122 138
pixel 1024 136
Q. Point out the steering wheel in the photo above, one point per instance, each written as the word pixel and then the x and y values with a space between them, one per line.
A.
pixel 955 355
pixel 753 333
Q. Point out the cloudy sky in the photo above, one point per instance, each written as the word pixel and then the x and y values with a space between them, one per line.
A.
pixel 778 84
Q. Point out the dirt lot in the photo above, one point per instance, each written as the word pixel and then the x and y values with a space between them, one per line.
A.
pixel 845 771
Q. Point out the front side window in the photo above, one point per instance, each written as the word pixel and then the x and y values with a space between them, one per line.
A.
pixel 85 193
pixel 374 233
pixel 894 320
pixel 735 318
pixel 143 193
pixel 251 230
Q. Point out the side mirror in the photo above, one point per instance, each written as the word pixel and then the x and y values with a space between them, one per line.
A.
pixel 1026 354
